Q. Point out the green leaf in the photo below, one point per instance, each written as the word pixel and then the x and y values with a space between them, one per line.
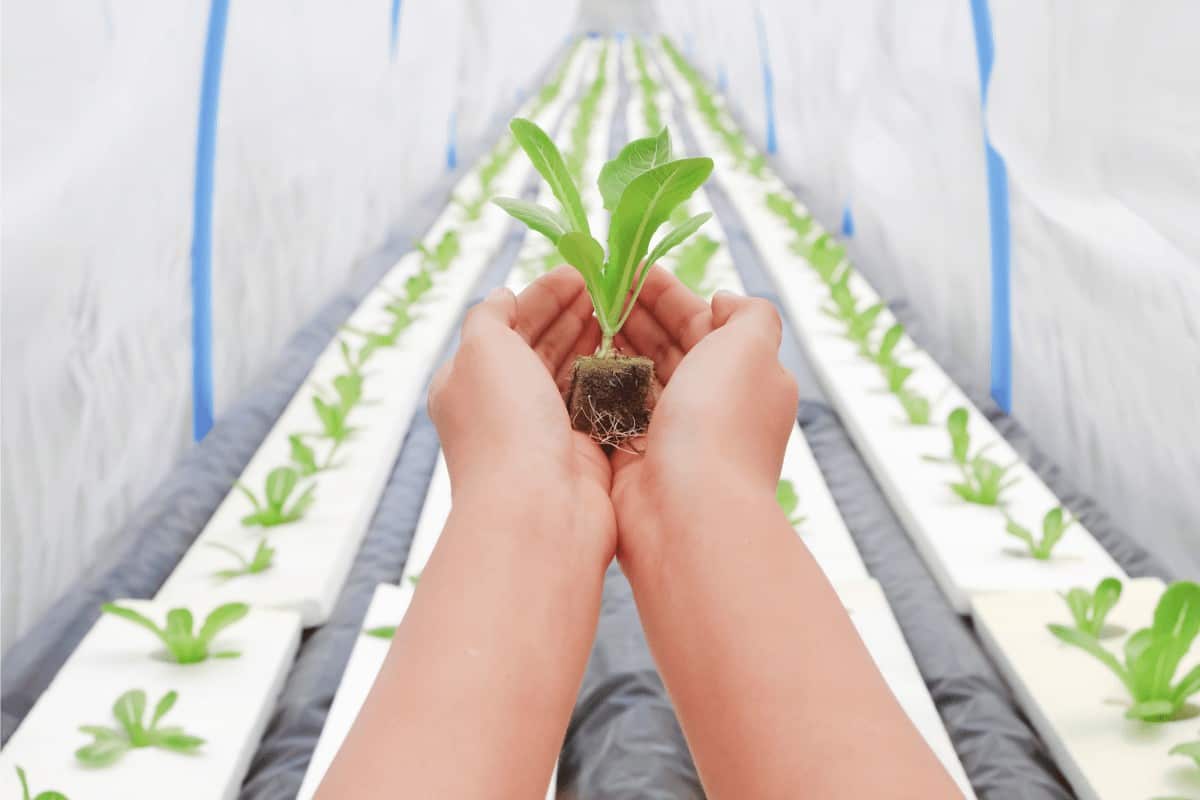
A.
pixel 280 482
pixel 960 439
pixel 1151 710
pixel 163 706
pixel 382 632
pixel 646 204
pixel 1079 600
pixel 24 784
pixel 585 254
pixel 302 455
pixel 129 710
pixel 264 554
pixel 179 637
pixel 547 222
pixel 1091 645
pixel 1105 598
pixel 887 345
pixel 102 752
pixel 302 504
pixel 349 390
pixel 1188 685
pixel 179 742
pixel 895 375
pixel 1188 749
pixel 1020 532
pixel 549 163
pixel 226 654
pixel 135 617
pixel 220 619
pixel 635 158
pixel 676 236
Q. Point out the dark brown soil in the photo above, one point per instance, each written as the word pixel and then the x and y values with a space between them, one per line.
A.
pixel 611 397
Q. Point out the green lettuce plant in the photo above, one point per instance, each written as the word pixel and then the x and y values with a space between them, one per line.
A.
pixel 47 795
pixel 789 501
pixel 917 409
pixel 825 255
pixel 110 744
pixel 259 561
pixel 185 646
pixel 1054 527
pixel 782 207
pixel 417 286
pixel 640 187
pixel 1152 655
pixel 885 354
pixel 983 482
pixel 894 375
pixel 691 265
pixel 275 510
pixel 440 256
pixel 472 209
pixel 334 414
pixel 1187 749
pixel 1090 610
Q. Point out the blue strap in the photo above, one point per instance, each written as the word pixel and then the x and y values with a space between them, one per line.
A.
pixel 452 142
pixel 395 36
pixel 768 81
pixel 847 221
pixel 202 201
pixel 1001 234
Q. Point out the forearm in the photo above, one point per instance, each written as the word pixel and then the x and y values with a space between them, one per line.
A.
pixel 481 678
pixel 775 691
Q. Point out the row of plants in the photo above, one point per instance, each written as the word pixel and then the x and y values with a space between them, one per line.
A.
pixel 744 156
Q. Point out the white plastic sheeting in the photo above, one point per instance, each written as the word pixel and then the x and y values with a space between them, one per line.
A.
pixel 1095 106
pixel 327 140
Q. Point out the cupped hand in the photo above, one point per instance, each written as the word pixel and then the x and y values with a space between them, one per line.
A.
pixel 500 414
pixel 720 426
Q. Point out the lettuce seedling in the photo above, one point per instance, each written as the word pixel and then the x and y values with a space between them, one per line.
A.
pixel 417 286
pixel 444 252
pixel 281 481
pixel 1187 749
pixel 260 561
pixel 789 501
pixel 183 645
pixel 335 414
pixel 691 265
pixel 960 438
pixel 1090 609
pixel 47 795
pixel 374 341
pixel 1153 655
pixel 1054 526
pixel 917 409
pixel 825 255
pixel 983 481
pixel 860 324
pixel 111 743
pixel 895 375
pixel 782 207
pixel 472 209
pixel 641 187
pixel 885 354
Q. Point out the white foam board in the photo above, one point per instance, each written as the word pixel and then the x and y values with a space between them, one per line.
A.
pixel 1078 705
pixel 878 630
pixel 225 701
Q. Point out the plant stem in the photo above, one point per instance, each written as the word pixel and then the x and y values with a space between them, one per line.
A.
pixel 606 341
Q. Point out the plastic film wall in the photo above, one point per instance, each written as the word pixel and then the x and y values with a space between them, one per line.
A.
pixel 333 124
pixel 1093 110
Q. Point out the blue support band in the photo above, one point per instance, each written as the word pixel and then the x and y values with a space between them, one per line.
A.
pixel 847 221
pixel 202 203
pixel 998 220
pixel 395 30
pixel 768 82
pixel 452 142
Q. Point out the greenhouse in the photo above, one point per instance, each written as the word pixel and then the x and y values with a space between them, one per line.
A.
pixel 600 399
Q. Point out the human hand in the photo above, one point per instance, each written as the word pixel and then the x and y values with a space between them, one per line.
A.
pixel 720 427
pixel 503 425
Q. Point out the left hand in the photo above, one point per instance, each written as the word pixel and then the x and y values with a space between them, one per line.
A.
pixel 501 417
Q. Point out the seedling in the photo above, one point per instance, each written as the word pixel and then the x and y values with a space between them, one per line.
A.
pixel 110 744
pixel 417 285
pixel 983 482
pixel 1090 609
pixel 47 795
pixel 1188 749
pixel 374 340
pixel 916 408
pixel 691 265
pixel 275 510
pixel 184 646
pixel 641 187
pixel 334 414
pixel 859 325
pixel 442 253
pixel 1152 655
pixel 472 209
pixel 1054 526
pixel 789 501
pixel 960 438
pixel 885 355
pixel 260 561
pixel 895 375
pixel 825 255
pixel 782 207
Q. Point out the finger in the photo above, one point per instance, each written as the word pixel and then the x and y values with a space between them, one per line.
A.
pixel 558 340
pixel 498 310
pixel 544 300
pixel 751 315
pixel 678 310
pixel 648 338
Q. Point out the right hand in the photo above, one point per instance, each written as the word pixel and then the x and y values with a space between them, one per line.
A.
pixel 721 425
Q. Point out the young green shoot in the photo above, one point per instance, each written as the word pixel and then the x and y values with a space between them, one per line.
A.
pixel 1187 749
pixel 259 561
pixel 1152 655
pixel 275 510
pixel 442 254
pixel 789 501
pixel 1054 526
pixel 641 187
pixel 417 286
pixel 917 409
pixel 334 414
pixel 374 341
pixel 960 438
pixel 46 795
pixel 825 255
pixel 983 482
pixel 472 209
pixel 1091 609
pixel 895 375
pixel 110 744
pixel 185 646
pixel 782 207
pixel 885 354
pixel 691 265
pixel 860 324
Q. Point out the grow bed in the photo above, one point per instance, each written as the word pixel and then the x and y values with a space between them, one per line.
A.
pixel 1077 705
pixel 225 701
